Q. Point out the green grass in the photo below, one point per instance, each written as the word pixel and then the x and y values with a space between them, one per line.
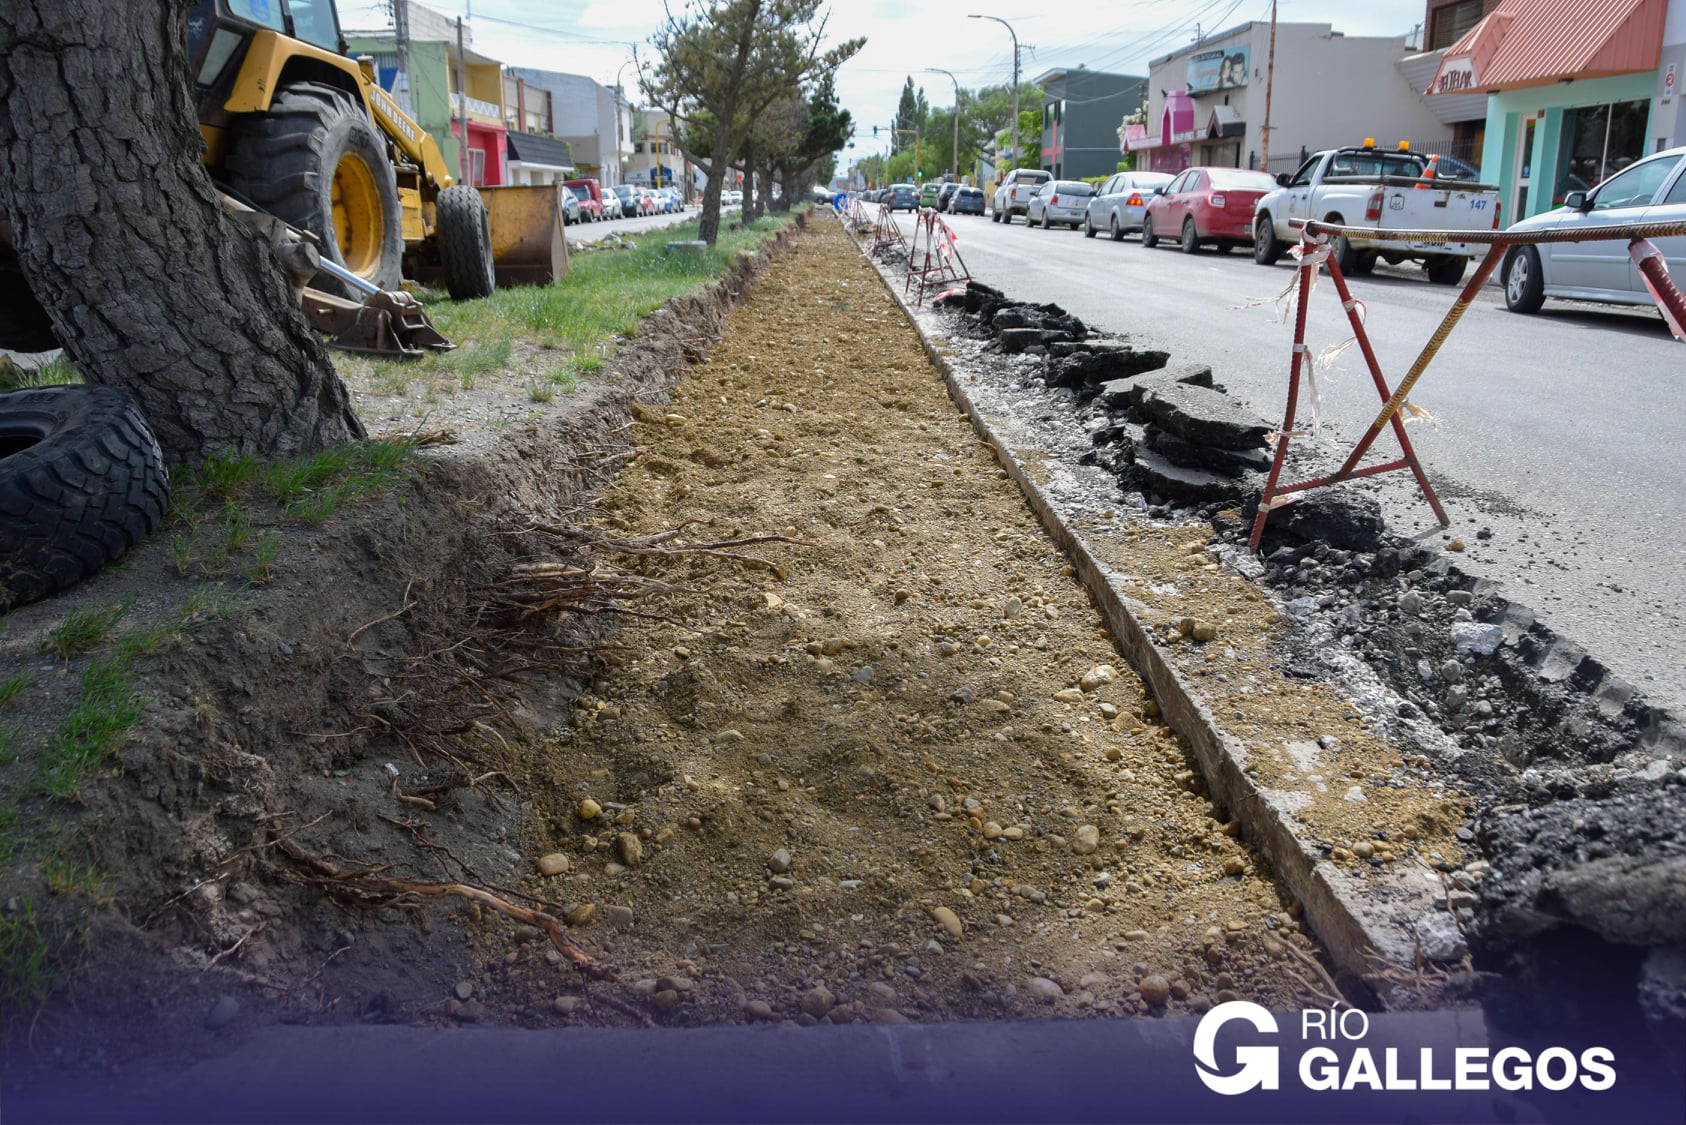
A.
pixel 26 963
pixel 14 687
pixel 82 630
pixel 107 708
pixel 51 374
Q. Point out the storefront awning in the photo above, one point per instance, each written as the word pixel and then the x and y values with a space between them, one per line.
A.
pixel 1176 125
pixel 1225 122
pixel 1524 43
pixel 533 150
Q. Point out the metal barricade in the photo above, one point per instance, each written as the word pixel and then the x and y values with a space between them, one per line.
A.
pixel 1313 252
pixel 933 259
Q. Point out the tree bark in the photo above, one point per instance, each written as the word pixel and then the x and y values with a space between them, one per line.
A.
pixel 150 285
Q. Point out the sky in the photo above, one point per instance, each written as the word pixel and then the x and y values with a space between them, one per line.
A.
pixel 903 38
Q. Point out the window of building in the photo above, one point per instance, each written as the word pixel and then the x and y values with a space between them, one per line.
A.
pixel 477 167
pixel 1452 22
pixel 1597 142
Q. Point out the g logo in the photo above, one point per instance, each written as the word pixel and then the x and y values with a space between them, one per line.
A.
pixel 1258 1064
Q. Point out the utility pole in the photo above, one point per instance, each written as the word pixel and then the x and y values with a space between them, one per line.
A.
pixel 401 47
pixel 1015 36
pixel 956 81
pixel 462 107
pixel 1270 82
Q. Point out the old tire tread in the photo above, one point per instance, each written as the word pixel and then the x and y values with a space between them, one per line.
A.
pixel 91 486
pixel 465 250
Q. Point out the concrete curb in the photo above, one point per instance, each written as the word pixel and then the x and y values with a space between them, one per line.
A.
pixel 1346 913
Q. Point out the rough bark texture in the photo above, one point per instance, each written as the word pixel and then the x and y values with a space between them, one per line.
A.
pixel 150 285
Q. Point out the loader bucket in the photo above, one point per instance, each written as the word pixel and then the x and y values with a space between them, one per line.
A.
pixel 528 246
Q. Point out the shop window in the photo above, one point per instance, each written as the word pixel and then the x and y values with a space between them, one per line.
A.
pixel 1452 22
pixel 1597 142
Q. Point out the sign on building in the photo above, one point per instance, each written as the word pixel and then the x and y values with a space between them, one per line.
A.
pixel 1221 69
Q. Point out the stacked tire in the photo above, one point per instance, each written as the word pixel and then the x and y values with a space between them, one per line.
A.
pixel 82 480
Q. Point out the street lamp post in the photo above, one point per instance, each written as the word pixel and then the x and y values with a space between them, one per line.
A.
pixel 956 81
pixel 1015 36
pixel 618 100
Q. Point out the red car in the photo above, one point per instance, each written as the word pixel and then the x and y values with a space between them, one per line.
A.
pixel 590 197
pixel 1206 205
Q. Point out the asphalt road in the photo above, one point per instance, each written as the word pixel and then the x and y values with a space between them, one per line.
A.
pixel 596 232
pixel 1561 432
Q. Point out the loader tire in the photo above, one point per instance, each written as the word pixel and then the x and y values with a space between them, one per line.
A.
pixel 465 243
pixel 81 481
pixel 315 160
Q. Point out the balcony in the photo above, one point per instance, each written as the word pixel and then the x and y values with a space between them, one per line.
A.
pixel 489 113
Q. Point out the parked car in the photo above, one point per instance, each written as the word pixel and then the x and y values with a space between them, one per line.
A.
pixel 732 198
pixel 966 201
pixel 570 209
pixel 611 204
pixel 1060 201
pixel 1381 189
pixel 1652 190
pixel 945 192
pixel 1206 205
pixel 902 197
pixel 928 195
pixel 1013 196
pixel 590 198
pixel 1119 205
pixel 628 196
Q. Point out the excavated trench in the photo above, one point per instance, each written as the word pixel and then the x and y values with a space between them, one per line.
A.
pixel 866 751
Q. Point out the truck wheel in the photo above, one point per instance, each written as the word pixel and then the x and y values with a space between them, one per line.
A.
pixel 81 481
pixel 465 243
pixel 1346 255
pixel 1366 263
pixel 317 162
pixel 1267 249
pixel 1524 283
pixel 1191 237
pixel 1149 239
pixel 1447 269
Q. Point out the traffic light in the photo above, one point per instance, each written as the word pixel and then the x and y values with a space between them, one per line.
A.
pixel 875 130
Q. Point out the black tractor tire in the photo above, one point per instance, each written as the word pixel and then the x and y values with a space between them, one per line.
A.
pixel 24 324
pixel 1267 248
pixel 81 481
pixel 1447 269
pixel 286 160
pixel 465 243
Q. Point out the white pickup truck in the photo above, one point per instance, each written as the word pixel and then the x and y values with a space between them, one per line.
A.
pixel 1384 190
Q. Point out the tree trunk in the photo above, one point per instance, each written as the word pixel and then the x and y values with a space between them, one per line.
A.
pixel 150 286
pixel 708 224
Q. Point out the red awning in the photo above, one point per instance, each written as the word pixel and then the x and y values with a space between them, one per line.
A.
pixel 1525 43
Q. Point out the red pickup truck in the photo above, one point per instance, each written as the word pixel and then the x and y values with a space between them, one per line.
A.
pixel 590 197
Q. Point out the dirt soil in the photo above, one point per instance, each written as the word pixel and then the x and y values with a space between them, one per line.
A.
pixel 889 768
pixel 900 772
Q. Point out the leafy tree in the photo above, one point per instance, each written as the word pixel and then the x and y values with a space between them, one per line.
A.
pixel 147 281
pixel 728 62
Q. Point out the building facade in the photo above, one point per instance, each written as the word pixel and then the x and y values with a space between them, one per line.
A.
pixel 656 161
pixel 1080 114
pixel 596 122
pixel 429 94
pixel 1576 91
pixel 1206 102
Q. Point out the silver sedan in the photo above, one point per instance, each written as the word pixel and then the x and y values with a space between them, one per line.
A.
pixel 1060 201
pixel 1120 204
pixel 1652 190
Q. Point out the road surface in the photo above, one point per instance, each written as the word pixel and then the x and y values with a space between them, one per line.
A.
pixel 1559 433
